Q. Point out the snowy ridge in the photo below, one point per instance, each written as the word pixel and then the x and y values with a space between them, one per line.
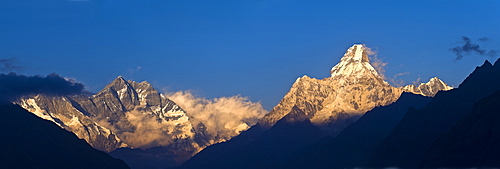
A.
pixel 31 106
pixel 429 89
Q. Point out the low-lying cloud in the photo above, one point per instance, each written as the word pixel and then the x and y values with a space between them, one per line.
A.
pixel 224 116
pixel 13 85
pixel 148 132
pixel 472 48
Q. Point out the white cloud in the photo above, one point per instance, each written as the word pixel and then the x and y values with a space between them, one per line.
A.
pixel 224 116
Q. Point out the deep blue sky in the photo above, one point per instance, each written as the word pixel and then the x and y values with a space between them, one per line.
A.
pixel 254 48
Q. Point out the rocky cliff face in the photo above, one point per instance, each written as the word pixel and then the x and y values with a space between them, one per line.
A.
pixel 123 114
pixel 353 89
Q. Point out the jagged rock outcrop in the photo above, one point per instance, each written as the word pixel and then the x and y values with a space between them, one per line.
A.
pixel 428 89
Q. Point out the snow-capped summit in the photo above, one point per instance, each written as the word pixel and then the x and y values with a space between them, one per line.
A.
pixel 355 62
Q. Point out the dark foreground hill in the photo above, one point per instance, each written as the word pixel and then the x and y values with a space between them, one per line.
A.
pixel 354 145
pixel 473 142
pixel 30 142
pixel 416 133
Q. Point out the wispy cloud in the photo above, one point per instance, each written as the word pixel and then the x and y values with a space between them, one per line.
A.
pixel 472 48
pixel 418 81
pixel 398 83
pixel 135 70
pixel 377 63
pixel 8 65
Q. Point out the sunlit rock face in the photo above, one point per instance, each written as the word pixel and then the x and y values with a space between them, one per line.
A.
pixel 428 89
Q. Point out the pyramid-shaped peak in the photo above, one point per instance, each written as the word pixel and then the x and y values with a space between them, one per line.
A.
pixel 355 63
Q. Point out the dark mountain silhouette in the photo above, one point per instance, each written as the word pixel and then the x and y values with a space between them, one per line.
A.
pixel 31 142
pixel 220 150
pixel 356 142
pixel 155 157
pixel 268 150
pixel 406 146
pixel 473 142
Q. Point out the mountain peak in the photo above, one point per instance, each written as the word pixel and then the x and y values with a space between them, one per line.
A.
pixel 353 88
pixel 486 64
pixel 117 84
pixel 355 62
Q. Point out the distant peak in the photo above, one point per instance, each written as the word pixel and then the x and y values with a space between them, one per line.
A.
pixel 428 89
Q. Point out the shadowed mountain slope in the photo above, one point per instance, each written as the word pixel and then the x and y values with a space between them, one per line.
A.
pixel 356 142
pixel 31 142
pixel 416 132
pixel 473 142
